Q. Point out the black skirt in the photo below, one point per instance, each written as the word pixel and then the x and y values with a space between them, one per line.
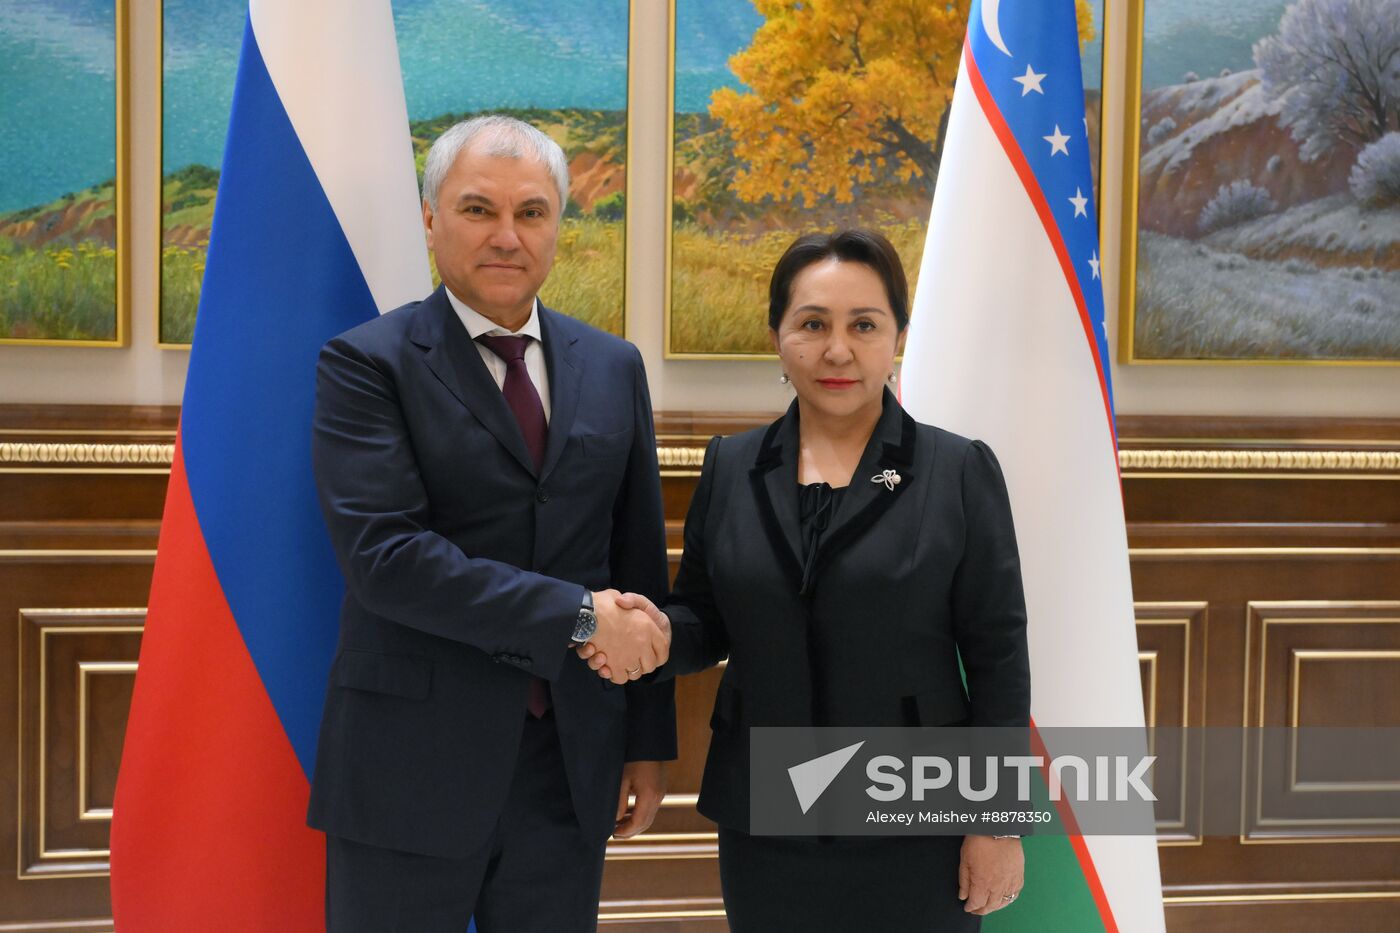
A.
pixel 889 885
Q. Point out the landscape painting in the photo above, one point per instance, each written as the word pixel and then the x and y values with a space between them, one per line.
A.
pixel 562 67
pixel 791 117
pixel 62 198
pixel 1262 205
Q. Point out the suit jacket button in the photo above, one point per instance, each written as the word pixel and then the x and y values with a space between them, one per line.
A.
pixel 541 495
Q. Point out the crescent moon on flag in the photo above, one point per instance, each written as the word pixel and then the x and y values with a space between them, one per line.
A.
pixel 991 26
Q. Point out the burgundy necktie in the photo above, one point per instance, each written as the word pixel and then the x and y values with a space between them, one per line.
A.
pixel 524 402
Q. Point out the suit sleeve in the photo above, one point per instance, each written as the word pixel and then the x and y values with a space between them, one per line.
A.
pixel 377 511
pixel 989 605
pixel 638 563
pixel 698 636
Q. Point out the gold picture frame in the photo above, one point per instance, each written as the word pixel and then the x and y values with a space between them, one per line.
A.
pixel 669 350
pixel 1135 14
pixel 121 197
pixel 628 219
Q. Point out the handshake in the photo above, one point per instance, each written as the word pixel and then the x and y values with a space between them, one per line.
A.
pixel 633 637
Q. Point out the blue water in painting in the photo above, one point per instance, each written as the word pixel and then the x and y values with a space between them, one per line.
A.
pixel 58 127
pixel 57 68
pixel 57 75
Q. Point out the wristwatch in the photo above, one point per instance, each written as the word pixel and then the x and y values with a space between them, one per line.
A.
pixel 587 622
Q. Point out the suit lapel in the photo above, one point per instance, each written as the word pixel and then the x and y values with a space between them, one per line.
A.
pixel 774 479
pixel 454 359
pixel 565 377
pixel 891 447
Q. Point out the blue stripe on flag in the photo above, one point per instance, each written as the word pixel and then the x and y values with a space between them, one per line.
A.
pixel 280 281
pixel 1039 89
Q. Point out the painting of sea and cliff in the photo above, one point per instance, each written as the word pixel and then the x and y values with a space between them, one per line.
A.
pixel 1262 202
pixel 755 163
pixel 62 192
pixel 562 67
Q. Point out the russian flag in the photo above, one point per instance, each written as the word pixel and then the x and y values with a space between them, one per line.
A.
pixel 316 229
pixel 1008 344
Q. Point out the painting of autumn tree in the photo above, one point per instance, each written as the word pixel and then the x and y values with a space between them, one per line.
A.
pixel 825 113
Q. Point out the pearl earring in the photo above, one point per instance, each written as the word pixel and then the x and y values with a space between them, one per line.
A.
pixel 784 379
pixel 893 379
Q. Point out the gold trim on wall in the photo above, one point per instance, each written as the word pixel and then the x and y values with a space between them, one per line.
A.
pixel 88 669
pixel 51 862
pixel 1183 900
pixel 121 195
pixel 687 460
pixel 104 454
pixel 1259 460
pixel 1255 616
pixel 1189 639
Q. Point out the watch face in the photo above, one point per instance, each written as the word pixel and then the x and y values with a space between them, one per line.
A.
pixel 586 625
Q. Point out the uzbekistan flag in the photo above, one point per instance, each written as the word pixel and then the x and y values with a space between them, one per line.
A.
pixel 1008 344
pixel 316 229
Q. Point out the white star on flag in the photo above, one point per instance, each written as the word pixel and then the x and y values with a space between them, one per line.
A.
pixel 1030 81
pixel 1094 264
pixel 1057 141
pixel 1080 203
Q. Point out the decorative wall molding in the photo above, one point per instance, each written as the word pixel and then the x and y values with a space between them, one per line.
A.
pixel 93 454
pixel 692 457
pixel 1252 461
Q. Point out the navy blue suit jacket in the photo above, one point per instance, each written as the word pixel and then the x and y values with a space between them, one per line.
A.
pixel 465 568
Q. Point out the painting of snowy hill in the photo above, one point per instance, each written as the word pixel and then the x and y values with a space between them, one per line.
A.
pixel 1267 221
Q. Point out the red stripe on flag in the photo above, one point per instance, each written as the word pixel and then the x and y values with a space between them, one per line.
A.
pixel 209 824
pixel 1047 218
pixel 1076 839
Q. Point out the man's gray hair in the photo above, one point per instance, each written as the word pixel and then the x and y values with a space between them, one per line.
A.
pixel 502 136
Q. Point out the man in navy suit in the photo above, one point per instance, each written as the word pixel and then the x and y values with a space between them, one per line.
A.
pixel 487 470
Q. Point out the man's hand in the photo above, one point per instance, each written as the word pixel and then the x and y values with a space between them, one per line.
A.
pixel 628 633
pixel 646 781
pixel 991 873
pixel 597 658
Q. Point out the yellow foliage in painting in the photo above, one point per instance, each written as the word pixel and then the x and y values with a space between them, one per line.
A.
pixel 839 89
pixel 1084 15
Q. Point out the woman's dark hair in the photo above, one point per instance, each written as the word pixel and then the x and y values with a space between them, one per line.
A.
pixel 863 246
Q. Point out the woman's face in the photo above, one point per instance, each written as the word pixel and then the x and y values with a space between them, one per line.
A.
pixel 838 338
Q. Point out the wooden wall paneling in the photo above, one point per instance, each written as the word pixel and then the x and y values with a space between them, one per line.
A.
pixel 76 670
pixel 81 494
pixel 62 720
pixel 1225 870
pixel 1172 657
pixel 1321 663
pixel 1236 526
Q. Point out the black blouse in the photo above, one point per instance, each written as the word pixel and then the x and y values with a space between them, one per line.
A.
pixel 817 502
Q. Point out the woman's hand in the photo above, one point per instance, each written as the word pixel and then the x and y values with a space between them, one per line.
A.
pixel 991 873
pixel 598 661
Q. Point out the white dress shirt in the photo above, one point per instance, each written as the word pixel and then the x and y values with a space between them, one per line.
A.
pixel 478 324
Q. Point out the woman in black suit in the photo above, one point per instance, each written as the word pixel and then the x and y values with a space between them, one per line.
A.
pixel 843 559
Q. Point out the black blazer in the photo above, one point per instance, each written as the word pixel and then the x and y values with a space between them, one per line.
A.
pixel 906 580
pixel 465 571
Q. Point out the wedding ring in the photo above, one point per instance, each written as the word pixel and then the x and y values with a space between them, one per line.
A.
pixel 1008 897
pixel 633 670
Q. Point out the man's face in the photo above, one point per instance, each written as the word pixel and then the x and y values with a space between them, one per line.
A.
pixel 494 232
